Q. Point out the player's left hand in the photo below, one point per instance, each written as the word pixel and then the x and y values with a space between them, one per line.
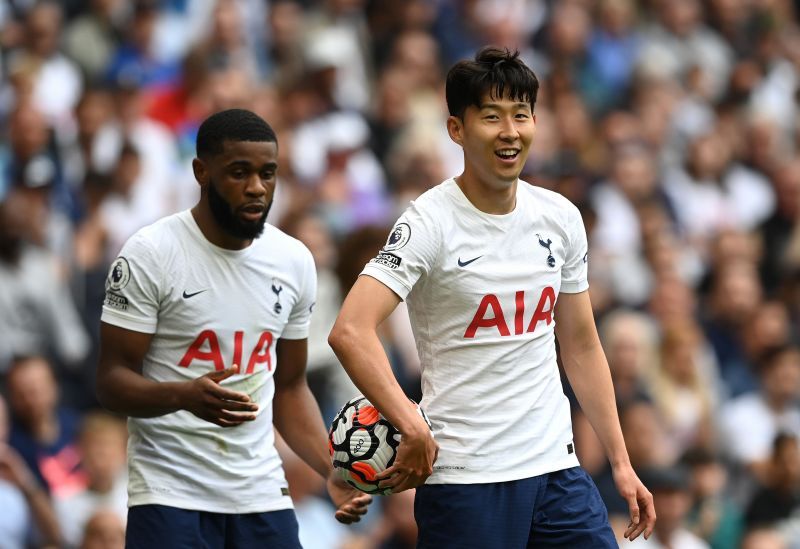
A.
pixel 350 503
pixel 640 502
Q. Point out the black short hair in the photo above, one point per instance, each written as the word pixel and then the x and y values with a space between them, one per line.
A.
pixel 494 70
pixel 231 125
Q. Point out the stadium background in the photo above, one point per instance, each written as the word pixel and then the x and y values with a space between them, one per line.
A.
pixel 672 124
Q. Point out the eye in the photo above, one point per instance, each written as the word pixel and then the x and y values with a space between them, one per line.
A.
pixel 523 116
pixel 267 175
pixel 491 117
pixel 239 173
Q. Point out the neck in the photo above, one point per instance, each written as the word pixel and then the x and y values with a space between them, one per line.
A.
pixel 495 200
pixel 212 231
pixel 46 430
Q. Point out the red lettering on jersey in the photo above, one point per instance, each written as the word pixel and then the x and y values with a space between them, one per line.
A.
pixel 195 351
pixel 237 348
pixel 519 311
pixel 261 353
pixel 480 321
pixel 548 297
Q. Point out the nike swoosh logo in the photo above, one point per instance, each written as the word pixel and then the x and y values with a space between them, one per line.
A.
pixel 187 296
pixel 465 263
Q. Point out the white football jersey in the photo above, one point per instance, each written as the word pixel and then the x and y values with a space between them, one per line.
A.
pixel 209 308
pixel 481 290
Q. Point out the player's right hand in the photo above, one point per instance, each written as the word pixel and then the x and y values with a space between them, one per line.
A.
pixel 413 464
pixel 210 401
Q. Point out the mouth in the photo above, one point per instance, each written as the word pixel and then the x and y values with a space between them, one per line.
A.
pixel 507 155
pixel 253 212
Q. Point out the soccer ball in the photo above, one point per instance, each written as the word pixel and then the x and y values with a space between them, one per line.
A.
pixel 363 444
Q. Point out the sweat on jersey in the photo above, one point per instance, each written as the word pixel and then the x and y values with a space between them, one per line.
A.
pixel 209 308
pixel 481 290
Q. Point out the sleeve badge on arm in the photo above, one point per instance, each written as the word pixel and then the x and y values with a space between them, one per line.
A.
pixel 118 275
pixel 399 237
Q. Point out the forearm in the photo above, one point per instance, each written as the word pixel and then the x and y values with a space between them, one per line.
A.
pixel 43 515
pixel 123 391
pixel 588 373
pixel 365 361
pixel 297 417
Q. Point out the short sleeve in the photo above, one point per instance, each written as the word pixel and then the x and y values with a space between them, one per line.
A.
pixel 297 326
pixel 132 288
pixel 574 277
pixel 409 253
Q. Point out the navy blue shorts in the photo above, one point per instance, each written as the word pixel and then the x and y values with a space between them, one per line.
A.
pixel 560 509
pixel 151 526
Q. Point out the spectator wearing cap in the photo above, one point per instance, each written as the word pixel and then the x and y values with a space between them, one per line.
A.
pixel 672 499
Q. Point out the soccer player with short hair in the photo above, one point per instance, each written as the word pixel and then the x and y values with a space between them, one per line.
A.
pixel 493 270
pixel 203 346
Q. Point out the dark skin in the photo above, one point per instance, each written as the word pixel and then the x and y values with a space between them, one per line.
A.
pixel 244 175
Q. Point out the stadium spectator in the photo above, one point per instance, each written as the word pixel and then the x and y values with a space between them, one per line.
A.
pixel 714 516
pixel 43 431
pixel 778 495
pixel 101 444
pixel 750 423
pixel 105 530
pixel 670 487
pixel 28 517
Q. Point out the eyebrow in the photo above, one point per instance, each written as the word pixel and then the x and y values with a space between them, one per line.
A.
pixel 248 164
pixel 497 106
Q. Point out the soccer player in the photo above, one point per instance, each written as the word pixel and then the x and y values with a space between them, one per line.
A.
pixel 493 271
pixel 203 346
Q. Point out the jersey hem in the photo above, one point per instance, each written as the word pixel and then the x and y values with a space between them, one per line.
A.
pixel 461 477
pixel 209 507
pixel 574 287
pixel 128 322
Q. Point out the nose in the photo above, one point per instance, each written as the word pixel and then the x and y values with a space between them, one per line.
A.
pixel 255 187
pixel 508 129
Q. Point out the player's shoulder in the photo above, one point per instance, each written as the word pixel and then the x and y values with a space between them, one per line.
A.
pixel 434 203
pixel 160 236
pixel 282 245
pixel 546 198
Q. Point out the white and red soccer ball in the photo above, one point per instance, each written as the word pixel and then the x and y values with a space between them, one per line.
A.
pixel 363 444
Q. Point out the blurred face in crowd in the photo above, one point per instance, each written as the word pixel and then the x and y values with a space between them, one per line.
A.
pixel 44 28
pixel 496 137
pixel 633 172
pixel 102 446
pixel 671 505
pixel 737 292
pixel 104 530
pixel 763 538
pixel 781 379
pixel 32 390
pixel 28 131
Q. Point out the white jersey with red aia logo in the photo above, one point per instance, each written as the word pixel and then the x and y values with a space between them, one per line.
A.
pixel 209 308
pixel 481 290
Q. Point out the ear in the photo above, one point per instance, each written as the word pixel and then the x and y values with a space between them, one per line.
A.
pixel 200 171
pixel 455 128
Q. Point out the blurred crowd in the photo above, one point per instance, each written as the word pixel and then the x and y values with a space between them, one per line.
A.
pixel 672 124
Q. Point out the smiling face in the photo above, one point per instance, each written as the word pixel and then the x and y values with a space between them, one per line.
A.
pixel 239 184
pixel 496 137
